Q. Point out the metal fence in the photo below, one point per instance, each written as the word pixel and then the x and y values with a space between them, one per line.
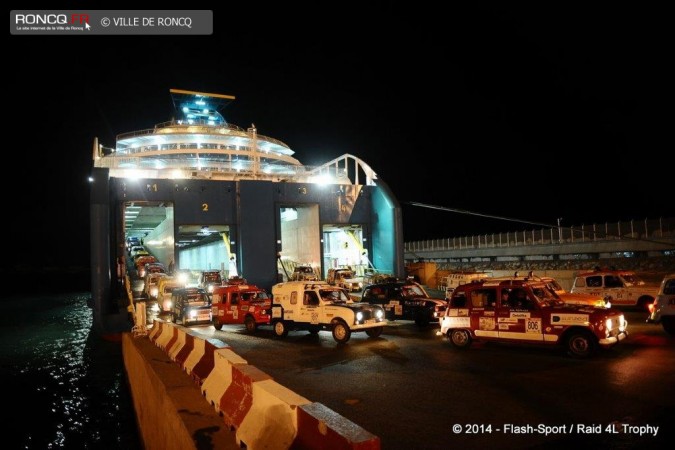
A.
pixel 651 229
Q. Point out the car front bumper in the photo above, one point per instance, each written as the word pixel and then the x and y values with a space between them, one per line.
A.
pixel 613 339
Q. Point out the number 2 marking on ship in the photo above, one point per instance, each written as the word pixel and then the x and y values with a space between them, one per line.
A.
pixel 205 207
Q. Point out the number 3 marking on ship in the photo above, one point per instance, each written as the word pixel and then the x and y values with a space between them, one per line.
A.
pixel 205 207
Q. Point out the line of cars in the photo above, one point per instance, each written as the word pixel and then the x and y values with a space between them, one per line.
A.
pixel 517 309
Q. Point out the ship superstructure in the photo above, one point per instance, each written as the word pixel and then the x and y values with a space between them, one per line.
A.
pixel 201 193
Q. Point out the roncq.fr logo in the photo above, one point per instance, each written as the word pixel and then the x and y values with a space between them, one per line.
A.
pixel 52 19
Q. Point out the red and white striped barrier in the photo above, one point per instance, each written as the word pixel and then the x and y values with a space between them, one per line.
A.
pixel 265 414
pixel 183 340
pixel 201 361
pixel 271 421
pixel 262 411
pixel 220 378
pixel 168 336
pixel 157 328
pixel 321 427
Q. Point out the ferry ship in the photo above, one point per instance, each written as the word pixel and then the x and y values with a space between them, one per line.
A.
pixel 204 194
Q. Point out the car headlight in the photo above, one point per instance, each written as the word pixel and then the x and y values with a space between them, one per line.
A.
pixel 359 316
pixel 379 314
pixel 210 288
pixel 154 292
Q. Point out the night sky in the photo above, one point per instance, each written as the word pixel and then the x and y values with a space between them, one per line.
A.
pixel 528 113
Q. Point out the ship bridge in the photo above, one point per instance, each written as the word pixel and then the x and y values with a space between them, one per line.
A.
pixel 202 144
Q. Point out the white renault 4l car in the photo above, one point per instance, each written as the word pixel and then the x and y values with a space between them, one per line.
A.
pixel 619 287
pixel 663 309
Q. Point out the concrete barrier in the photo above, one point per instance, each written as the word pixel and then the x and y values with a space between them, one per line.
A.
pixel 200 362
pixel 322 428
pixel 156 330
pixel 165 335
pixel 217 382
pixel 262 413
pixel 170 410
pixel 175 345
pixel 271 421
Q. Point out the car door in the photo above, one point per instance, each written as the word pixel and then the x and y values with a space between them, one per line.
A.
pixel 395 302
pixel 519 317
pixel 309 308
pixel 483 303
pixel 233 308
pixel 615 291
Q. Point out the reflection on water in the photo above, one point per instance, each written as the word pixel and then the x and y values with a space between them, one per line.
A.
pixel 69 383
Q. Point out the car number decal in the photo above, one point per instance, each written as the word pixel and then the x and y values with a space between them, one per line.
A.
pixel 533 326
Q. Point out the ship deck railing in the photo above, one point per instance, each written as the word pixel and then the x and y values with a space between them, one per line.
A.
pixel 346 169
pixel 197 127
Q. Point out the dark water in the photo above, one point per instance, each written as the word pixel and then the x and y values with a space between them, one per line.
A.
pixel 65 387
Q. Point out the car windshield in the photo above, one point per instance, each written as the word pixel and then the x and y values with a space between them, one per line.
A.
pixel 546 295
pixel 197 297
pixel 669 287
pixel 334 295
pixel 412 290
pixel 554 292
pixel 254 296
pixel 555 286
pixel 631 279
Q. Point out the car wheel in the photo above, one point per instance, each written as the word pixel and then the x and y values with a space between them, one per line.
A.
pixel 280 329
pixel 581 344
pixel 668 324
pixel 217 325
pixel 374 332
pixel 341 332
pixel 250 324
pixel 459 338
